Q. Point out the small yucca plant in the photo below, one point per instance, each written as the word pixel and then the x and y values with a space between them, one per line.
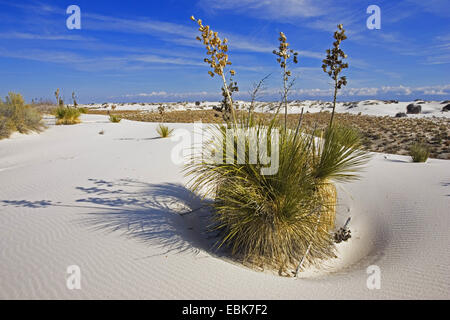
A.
pixel 67 115
pixel 419 152
pixel 114 118
pixel 164 131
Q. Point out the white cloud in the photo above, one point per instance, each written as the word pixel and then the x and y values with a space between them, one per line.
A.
pixel 51 37
pixel 394 91
pixel 269 9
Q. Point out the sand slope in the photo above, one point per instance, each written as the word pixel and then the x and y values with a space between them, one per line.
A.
pixel 110 204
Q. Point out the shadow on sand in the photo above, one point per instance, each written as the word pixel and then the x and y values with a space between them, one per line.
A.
pixel 167 215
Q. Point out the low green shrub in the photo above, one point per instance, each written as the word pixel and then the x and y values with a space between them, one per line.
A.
pixel 114 118
pixel 67 115
pixel 164 131
pixel 419 152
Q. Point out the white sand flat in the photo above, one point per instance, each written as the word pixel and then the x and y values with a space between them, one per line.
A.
pixel 367 107
pixel 110 204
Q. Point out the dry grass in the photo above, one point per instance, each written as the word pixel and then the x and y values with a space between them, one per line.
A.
pixel 380 134
pixel 15 115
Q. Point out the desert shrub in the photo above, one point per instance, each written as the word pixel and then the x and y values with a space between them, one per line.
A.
pixel 67 115
pixel 419 152
pixel 114 118
pixel 271 220
pixel 6 127
pixel 164 131
pixel 16 116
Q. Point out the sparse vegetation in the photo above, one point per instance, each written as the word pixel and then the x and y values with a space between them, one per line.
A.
pixel 164 131
pixel 419 152
pixel 15 115
pixel 83 110
pixel 379 134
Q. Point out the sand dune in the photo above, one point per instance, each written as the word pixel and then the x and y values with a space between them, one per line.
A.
pixel 366 107
pixel 112 205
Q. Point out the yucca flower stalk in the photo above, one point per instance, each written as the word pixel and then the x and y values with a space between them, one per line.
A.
pixel 74 98
pixel 285 55
pixel 59 100
pixel 57 96
pixel 216 50
pixel 333 65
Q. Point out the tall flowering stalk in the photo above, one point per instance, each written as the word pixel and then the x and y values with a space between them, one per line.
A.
pixel 59 100
pixel 333 64
pixel 74 98
pixel 285 55
pixel 216 50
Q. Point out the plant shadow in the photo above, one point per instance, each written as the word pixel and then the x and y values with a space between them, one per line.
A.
pixel 166 215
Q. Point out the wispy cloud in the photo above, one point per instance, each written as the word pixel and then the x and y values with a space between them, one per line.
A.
pixel 50 37
pixel 375 91
pixel 273 9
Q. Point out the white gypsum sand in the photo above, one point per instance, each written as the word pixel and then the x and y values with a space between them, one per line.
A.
pixel 366 107
pixel 110 204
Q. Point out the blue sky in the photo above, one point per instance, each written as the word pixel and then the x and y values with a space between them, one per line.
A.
pixel 146 50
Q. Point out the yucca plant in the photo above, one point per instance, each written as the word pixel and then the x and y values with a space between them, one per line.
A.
pixel 271 220
pixel 284 218
pixel 419 152
pixel 114 118
pixel 67 115
pixel 164 131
